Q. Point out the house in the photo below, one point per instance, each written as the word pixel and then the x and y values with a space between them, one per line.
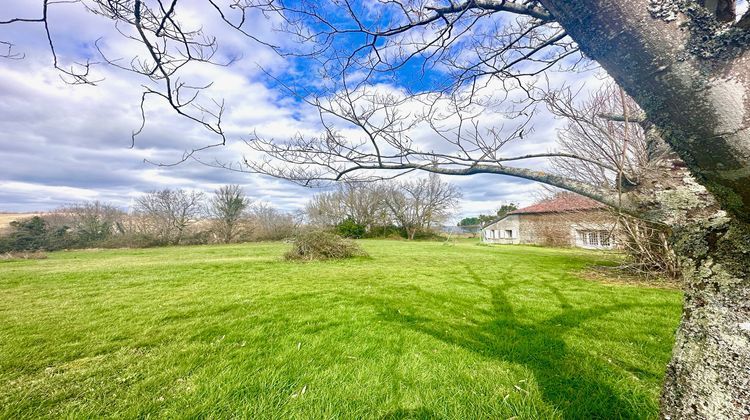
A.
pixel 567 219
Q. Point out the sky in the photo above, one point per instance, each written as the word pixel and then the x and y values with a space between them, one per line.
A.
pixel 65 143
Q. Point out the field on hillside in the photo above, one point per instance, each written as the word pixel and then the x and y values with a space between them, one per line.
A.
pixel 6 218
pixel 417 330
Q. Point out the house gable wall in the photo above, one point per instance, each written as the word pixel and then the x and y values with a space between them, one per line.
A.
pixel 550 229
pixel 498 231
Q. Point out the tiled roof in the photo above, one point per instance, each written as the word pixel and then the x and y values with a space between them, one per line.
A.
pixel 562 202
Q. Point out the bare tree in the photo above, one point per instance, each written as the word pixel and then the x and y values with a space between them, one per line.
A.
pixel 227 207
pixel 93 221
pixel 326 209
pixel 271 224
pixel 421 204
pixel 362 202
pixel 170 212
pixel 610 127
pixel 684 62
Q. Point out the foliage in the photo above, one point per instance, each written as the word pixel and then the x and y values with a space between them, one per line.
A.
pixel 35 234
pixel 227 207
pixel 416 206
pixel 484 219
pixel 30 234
pixel 132 240
pixel 505 209
pixel 386 231
pixel 362 202
pixel 469 221
pixel 90 222
pixel 161 218
pixel 349 228
pixel 317 244
pixel 418 330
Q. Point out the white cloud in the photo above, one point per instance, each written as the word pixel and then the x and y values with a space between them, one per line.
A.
pixel 61 143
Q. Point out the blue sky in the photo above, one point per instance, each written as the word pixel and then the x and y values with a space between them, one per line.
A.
pixel 63 143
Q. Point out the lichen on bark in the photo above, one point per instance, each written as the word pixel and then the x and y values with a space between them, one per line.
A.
pixel 709 374
pixel 710 38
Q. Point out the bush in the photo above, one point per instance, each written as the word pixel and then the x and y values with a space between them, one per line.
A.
pixel 388 232
pixel 321 245
pixel 349 228
pixel 132 240
pixel 36 234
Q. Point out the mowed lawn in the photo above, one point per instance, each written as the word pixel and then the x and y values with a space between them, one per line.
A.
pixel 418 330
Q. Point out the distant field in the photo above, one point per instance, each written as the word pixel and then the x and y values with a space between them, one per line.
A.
pixel 6 218
pixel 418 330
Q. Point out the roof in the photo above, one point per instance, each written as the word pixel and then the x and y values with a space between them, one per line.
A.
pixel 560 203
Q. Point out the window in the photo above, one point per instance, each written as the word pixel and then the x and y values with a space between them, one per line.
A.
pixel 594 238
pixel 604 239
pixel 508 233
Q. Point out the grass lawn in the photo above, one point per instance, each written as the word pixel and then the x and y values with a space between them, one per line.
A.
pixel 418 330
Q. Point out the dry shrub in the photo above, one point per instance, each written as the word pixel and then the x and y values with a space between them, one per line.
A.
pixel 321 245
pixel 23 255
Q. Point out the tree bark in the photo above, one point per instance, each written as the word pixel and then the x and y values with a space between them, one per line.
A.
pixel 693 82
pixel 709 374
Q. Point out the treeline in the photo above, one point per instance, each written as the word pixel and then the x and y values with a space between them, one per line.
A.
pixel 158 218
pixel 410 209
pixel 485 219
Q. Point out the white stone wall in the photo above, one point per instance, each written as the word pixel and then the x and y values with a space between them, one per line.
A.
pixel 566 229
pixel 504 231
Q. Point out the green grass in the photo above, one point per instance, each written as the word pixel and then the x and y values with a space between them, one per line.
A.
pixel 418 330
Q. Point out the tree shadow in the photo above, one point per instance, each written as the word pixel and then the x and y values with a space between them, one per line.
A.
pixel 572 382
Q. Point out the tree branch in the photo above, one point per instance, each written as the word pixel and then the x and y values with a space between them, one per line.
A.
pixel 528 8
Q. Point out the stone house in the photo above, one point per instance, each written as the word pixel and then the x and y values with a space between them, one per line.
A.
pixel 567 219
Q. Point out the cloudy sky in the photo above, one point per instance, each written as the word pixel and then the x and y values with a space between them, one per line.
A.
pixel 63 143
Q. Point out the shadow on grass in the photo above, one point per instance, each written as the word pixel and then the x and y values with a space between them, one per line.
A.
pixel 572 382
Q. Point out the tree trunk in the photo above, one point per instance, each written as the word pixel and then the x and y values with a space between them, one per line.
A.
pixel 691 78
pixel 709 374
pixel 693 82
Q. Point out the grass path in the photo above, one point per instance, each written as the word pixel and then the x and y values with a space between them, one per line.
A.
pixel 419 330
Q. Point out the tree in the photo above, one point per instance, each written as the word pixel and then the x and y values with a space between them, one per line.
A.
pixel 92 221
pixel 469 221
pixel 226 207
pixel 505 209
pixel 349 228
pixel 685 63
pixel 609 127
pixel 170 212
pixel 420 204
pixel 30 234
pixel 270 224
pixel 484 219
pixel 362 202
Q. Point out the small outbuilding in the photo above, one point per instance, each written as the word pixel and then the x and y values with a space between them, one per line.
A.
pixel 567 219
